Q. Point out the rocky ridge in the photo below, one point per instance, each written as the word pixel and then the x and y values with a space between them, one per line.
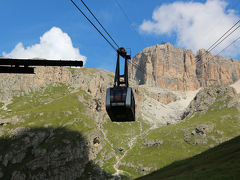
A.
pixel 156 105
pixel 12 85
pixel 166 66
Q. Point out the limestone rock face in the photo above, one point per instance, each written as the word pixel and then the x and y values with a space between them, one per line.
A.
pixel 166 66
pixel 95 83
pixel 11 83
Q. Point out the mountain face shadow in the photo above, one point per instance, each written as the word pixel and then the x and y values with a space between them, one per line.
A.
pixel 220 162
pixel 47 153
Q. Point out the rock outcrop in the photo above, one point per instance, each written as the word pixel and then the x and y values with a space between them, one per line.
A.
pixel 92 81
pixel 210 95
pixel 166 66
pixel 12 84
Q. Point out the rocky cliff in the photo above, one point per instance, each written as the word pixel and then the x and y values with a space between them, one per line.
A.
pixel 92 81
pixel 166 66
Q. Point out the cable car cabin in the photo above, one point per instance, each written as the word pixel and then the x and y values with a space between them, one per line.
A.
pixel 120 104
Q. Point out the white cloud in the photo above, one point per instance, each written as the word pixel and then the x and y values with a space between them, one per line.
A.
pixel 54 44
pixel 197 25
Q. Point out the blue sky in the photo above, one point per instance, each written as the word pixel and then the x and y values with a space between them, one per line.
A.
pixel 175 22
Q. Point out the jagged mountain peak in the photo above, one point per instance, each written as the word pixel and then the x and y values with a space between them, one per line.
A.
pixel 166 66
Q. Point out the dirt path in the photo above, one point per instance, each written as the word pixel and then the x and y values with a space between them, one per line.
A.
pixel 131 144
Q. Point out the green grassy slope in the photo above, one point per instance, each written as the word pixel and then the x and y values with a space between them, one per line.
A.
pixel 59 107
pixel 180 141
pixel 54 109
pixel 53 106
pixel 220 162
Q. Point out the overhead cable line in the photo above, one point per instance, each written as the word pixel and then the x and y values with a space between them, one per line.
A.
pixel 229 45
pixel 125 14
pixel 115 49
pixel 212 58
pixel 225 48
pixel 213 27
pixel 217 42
pixel 224 38
pixel 99 23
pixel 128 19
pixel 220 51
pixel 223 35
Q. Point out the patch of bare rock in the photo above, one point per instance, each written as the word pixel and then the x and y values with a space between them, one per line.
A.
pixel 209 95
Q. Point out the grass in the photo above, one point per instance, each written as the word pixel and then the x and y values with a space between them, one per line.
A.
pixel 174 148
pixel 120 133
pixel 54 105
pixel 220 162
pixel 108 165
pixel 36 99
